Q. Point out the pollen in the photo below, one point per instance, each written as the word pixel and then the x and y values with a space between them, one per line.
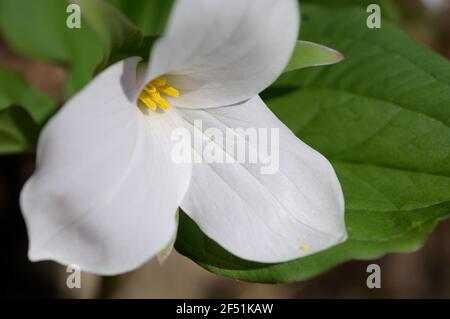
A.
pixel 151 95
pixel 304 247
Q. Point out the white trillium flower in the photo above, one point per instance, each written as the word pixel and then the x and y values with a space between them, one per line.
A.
pixel 105 192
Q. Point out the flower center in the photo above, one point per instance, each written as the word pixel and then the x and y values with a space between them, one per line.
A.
pixel 151 94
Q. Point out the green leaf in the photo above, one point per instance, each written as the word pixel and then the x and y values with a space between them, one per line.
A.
pixel 105 36
pixel 382 117
pixel 38 30
pixel 308 54
pixel 18 132
pixel 191 242
pixel 15 91
pixel 22 111
pixel 388 9
pixel 149 15
pixel 114 30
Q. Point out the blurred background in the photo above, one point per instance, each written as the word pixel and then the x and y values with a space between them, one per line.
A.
pixel 423 274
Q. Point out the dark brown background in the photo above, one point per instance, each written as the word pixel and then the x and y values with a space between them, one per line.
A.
pixel 423 274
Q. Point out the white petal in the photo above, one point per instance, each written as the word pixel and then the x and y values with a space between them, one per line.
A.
pixel 297 211
pixel 105 191
pixel 166 251
pixel 223 52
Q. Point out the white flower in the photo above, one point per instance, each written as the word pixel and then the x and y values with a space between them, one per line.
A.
pixel 105 192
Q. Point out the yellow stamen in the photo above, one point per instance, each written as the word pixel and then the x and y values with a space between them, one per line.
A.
pixel 159 81
pixel 144 98
pixel 149 88
pixel 151 94
pixel 156 97
pixel 168 90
